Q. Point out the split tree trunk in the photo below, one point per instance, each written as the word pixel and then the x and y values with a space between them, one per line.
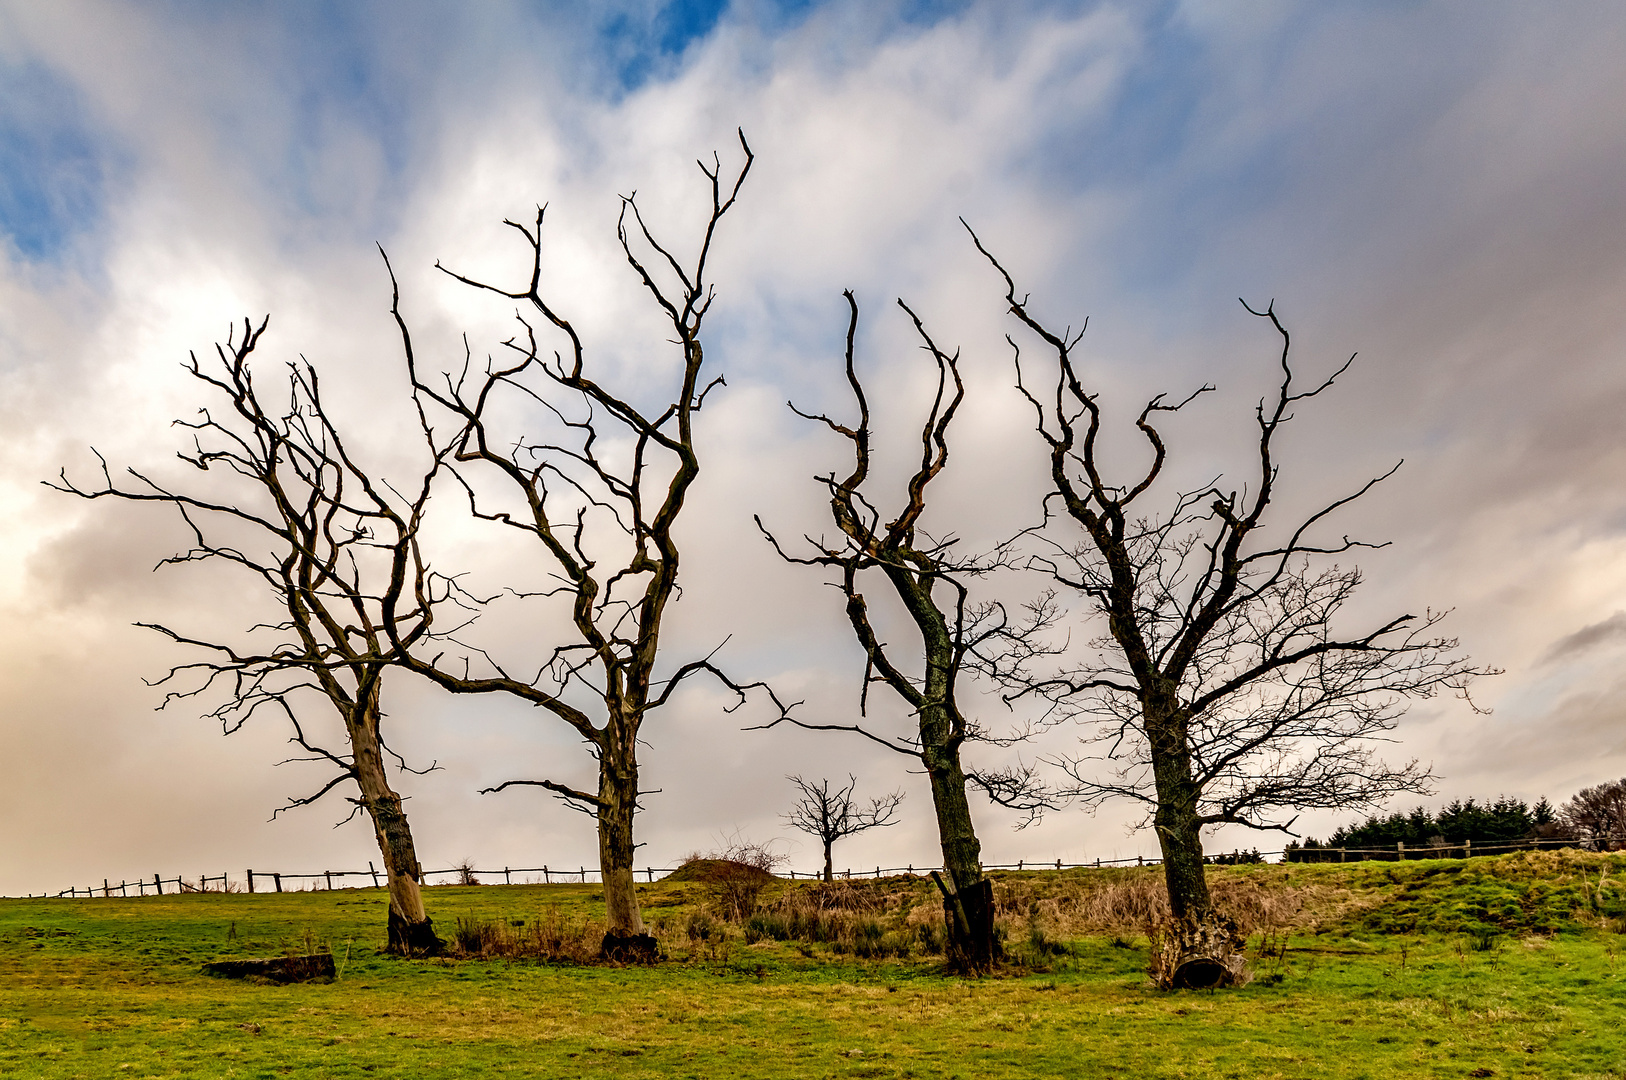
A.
pixel 829 865
pixel 968 904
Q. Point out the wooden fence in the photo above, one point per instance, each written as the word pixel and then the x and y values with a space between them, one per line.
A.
pixel 1400 852
pixel 271 881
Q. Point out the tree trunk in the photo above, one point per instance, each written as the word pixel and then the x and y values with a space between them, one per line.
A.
pixel 625 938
pixel 1201 950
pixel 968 902
pixel 829 866
pixel 411 933
pixel 1178 836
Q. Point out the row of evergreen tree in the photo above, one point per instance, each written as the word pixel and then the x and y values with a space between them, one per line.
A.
pixel 1502 820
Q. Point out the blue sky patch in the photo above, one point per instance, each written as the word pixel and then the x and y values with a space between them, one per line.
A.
pixel 52 170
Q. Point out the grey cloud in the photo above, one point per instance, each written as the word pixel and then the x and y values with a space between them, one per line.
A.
pixel 1587 638
pixel 1439 191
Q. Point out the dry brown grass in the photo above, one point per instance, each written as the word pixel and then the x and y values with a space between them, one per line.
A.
pixel 1128 901
pixel 550 937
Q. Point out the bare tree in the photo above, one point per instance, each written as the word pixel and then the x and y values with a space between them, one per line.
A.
pixel 835 815
pixel 340 554
pixel 600 491
pixel 956 636
pixel 1598 814
pixel 1224 689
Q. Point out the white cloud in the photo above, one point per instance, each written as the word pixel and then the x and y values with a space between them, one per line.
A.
pixel 1439 191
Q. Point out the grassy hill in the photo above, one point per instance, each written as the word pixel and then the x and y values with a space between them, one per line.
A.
pixel 1500 966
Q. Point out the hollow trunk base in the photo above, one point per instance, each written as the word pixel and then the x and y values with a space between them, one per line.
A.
pixel 630 948
pixel 413 938
pixel 1198 954
pixel 972 949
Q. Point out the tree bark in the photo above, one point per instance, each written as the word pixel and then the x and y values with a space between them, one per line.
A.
pixel 626 939
pixel 411 933
pixel 1201 949
pixel 1178 827
pixel 968 911
pixel 829 864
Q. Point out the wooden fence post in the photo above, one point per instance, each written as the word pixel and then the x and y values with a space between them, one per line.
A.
pixel 106 889
pixel 1468 848
pixel 250 874
pixel 329 875
pixel 373 871
pixel 507 881
pixel 546 878
pixel 1400 851
pixel 158 883
pixel 277 880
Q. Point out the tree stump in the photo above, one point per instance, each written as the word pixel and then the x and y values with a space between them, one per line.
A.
pixel 1198 954
pixel 973 948
pixel 276 969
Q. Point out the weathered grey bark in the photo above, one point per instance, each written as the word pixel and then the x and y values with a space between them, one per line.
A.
pixel 411 932
pixel 626 939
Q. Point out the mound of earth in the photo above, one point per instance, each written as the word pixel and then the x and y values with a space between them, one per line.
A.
pixel 717 870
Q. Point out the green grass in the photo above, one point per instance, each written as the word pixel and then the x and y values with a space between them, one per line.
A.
pixel 1391 975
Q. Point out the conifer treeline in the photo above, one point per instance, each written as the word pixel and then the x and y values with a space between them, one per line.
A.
pixel 1502 820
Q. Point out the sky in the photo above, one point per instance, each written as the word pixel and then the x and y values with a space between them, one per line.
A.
pixel 1437 188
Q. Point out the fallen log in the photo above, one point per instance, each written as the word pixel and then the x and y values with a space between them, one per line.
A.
pixel 317 967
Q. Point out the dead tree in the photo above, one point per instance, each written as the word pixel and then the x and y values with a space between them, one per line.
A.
pixel 956 637
pixel 1225 688
pixel 836 815
pixel 339 552
pixel 599 488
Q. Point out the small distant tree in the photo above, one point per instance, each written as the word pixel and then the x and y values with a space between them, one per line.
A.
pixel 834 815
pixel 1598 814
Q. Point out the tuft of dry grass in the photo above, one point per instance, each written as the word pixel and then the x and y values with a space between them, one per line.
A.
pixel 550 937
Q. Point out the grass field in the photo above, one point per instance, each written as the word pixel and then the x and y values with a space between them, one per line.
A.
pixel 1501 967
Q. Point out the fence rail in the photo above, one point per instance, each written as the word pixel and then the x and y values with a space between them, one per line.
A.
pixel 271 881
pixel 1400 852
